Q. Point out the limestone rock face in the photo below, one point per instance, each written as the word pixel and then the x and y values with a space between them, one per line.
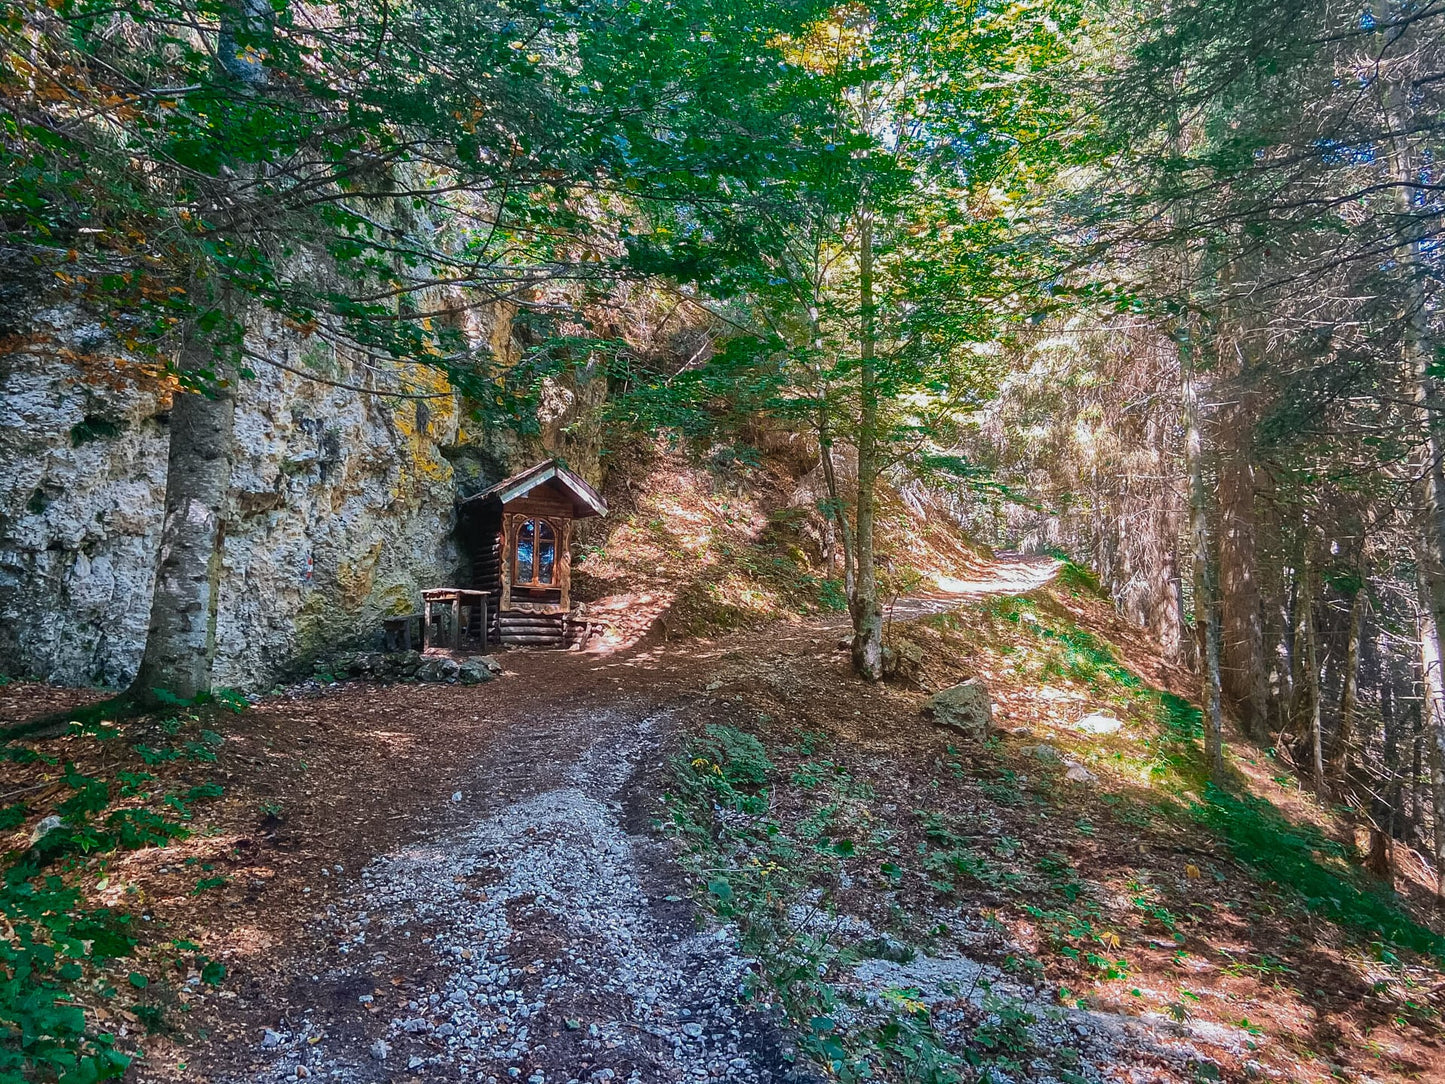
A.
pixel 342 505
pixel 966 707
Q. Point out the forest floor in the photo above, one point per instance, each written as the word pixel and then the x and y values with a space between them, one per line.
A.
pixel 725 858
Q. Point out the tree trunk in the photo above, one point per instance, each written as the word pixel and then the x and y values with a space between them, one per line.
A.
pixel 839 514
pixel 181 641
pixel 867 612
pixel 1205 615
pixel 1310 672
pixel 1244 674
pixel 1418 356
pixel 1339 751
pixel 1432 714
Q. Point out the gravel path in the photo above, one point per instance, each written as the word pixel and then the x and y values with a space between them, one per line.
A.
pixel 542 943
pixel 534 928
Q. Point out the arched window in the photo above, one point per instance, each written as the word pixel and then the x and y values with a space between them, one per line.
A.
pixel 534 562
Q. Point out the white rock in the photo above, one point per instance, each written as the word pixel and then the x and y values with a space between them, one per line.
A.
pixel 966 707
pixel 1099 723
pixel 380 1049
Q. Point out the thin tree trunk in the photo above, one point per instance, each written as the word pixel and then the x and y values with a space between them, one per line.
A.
pixel 1339 758
pixel 1416 818
pixel 1205 614
pixel 1433 724
pixel 1244 672
pixel 1310 672
pixel 181 640
pixel 867 613
pixel 835 500
pixel 1289 639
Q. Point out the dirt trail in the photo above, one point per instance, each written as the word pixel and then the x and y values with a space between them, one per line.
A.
pixel 528 926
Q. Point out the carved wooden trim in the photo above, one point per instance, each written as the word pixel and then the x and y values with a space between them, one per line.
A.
pixel 506 562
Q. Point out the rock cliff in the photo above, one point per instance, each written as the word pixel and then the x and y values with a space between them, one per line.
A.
pixel 341 509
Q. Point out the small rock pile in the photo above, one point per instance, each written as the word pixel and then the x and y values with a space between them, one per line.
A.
pixel 388 668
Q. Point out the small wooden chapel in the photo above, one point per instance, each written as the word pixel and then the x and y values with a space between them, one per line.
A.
pixel 519 536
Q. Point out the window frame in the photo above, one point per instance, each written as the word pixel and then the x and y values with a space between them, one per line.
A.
pixel 534 583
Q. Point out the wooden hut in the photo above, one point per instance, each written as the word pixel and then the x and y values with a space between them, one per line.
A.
pixel 519 533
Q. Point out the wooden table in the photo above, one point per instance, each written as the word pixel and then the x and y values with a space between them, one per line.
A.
pixel 453 596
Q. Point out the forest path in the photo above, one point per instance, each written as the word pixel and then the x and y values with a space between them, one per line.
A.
pixel 520 920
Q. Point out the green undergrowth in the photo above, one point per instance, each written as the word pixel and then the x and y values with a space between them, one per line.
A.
pixel 65 952
pixel 1078 579
pixel 1318 874
pixel 782 830
pixel 772 874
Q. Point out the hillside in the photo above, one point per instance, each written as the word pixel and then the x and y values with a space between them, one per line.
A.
pixel 702 849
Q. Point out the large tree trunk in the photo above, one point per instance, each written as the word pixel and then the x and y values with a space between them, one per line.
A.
pixel 867 612
pixel 1418 356
pixel 181 641
pixel 1205 614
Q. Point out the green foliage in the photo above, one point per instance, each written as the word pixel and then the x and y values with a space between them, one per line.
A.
pixel 1302 861
pixel 742 758
pixel 1076 577
pixel 59 945
pixel 94 427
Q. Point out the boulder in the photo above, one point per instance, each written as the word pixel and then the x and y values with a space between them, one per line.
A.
pixel 1077 773
pixel 474 671
pixel 438 671
pixel 404 664
pixel 1099 723
pixel 44 828
pixel 903 663
pixel 966 707
pixel 1043 751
